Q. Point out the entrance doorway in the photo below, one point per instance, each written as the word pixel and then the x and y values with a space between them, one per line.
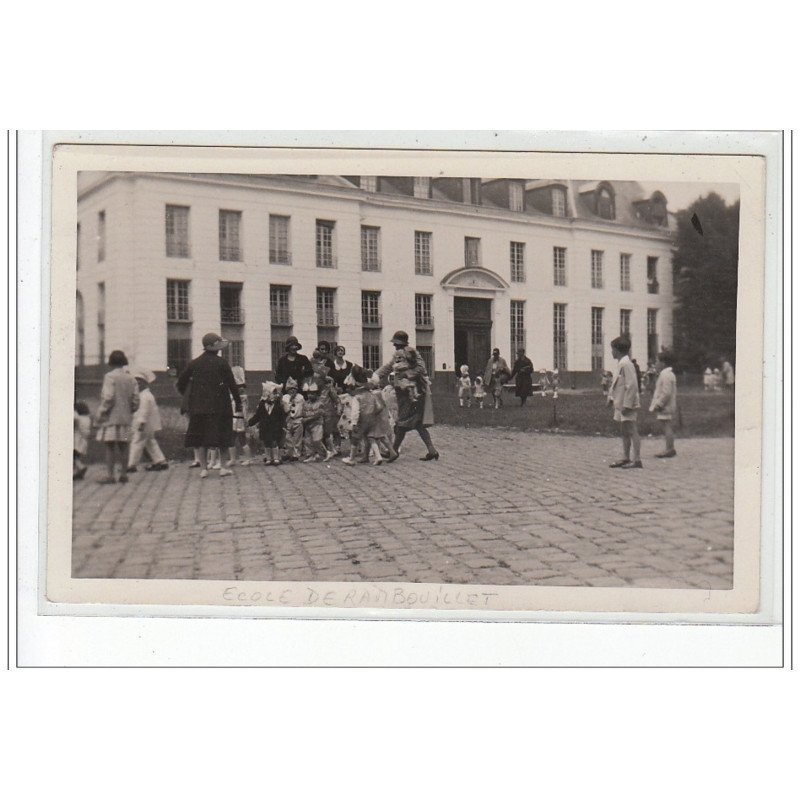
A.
pixel 472 333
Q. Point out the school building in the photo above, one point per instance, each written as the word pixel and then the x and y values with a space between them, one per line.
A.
pixel 559 267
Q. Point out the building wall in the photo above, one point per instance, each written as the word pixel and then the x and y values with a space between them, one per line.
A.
pixel 137 268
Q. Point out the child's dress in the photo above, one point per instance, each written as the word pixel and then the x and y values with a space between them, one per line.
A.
pixel 665 395
pixel 465 389
pixel 479 392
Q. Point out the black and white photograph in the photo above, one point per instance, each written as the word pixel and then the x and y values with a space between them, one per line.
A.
pixel 423 389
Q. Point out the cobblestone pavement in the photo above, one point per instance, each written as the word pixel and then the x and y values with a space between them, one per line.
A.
pixel 500 507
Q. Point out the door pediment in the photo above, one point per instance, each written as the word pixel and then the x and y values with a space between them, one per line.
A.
pixel 474 278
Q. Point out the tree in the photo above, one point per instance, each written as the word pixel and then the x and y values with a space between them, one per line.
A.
pixel 705 269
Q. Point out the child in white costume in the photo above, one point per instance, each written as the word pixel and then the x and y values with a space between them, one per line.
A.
pixel 708 380
pixel 479 392
pixel 665 402
pixel 240 440
pixel 293 407
pixel 146 423
pixel 465 387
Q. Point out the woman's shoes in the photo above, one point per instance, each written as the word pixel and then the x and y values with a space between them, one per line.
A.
pixel 434 456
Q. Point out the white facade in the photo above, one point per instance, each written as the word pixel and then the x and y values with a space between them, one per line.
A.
pixel 136 268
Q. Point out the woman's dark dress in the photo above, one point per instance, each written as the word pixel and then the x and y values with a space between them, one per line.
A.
pixel 523 371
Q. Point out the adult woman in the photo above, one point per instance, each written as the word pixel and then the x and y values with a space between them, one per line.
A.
pixel 413 392
pixel 293 364
pixel 208 385
pixel 523 371
pixel 341 367
pixel 495 375
pixel 119 398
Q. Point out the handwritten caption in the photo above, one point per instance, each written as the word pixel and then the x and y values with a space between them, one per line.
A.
pixel 361 597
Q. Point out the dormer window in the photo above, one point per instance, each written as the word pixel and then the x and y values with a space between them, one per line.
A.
pixel 658 209
pixel 516 200
pixel 422 188
pixel 471 190
pixel 368 183
pixel 558 199
pixel 605 202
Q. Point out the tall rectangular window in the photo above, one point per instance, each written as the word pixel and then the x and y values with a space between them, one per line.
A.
pixel 279 250
pixel 422 253
pixel 517 262
pixel 230 223
pixel 559 266
pixel 101 235
pixel 516 196
pixel 176 223
pixel 178 301
pixel 422 188
pixel 230 304
pixel 425 352
pixel 423 310
pixel 558 199
pixel 652 334
pixel 371 355
pixel 371 309
pixel 517 316
pixel 625 272
pixel 369 183
pixel 101 321
pixel 472 251
pixel 325 255
pixel 652 275
pixel 236 353
pixel 559 336
pixel 279 305
pixel 370 249
pixel 471 190
pixel 326 307
pixel 625 323
pixel 597 269
pixel 597 339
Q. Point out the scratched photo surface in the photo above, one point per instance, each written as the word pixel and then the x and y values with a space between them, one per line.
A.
pixel 455 419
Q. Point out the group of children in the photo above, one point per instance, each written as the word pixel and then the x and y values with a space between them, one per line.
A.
pixel 469 390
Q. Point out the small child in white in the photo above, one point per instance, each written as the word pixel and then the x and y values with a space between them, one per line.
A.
pixel 293 408
pixel 708 380
pixel 464 387
pixel 665 402
pixel 479 393
pixel 240 442
pixel 717 380
pixel 82 429
pixel 146 423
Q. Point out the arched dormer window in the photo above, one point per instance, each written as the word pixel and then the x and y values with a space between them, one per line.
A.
pixel 658 209
pixel 604 199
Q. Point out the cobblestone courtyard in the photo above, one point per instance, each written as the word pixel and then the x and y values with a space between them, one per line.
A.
pixel 500 507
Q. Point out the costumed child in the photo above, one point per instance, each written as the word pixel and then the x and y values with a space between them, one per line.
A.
pixel 313 424
pixel 555 383
pixel 82 429
pixel 717 383
pixel 708 380
pixel 240 439
pixel 464 387
pixel 407 374
pixel 269 417
pixel 146 423
pixel 330 416
pixel 605 382
pixel 665 402
pixel 479 392
pixel 292 403
pixel 369 421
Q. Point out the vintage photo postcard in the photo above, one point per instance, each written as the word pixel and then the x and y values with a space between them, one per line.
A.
pixel 372 381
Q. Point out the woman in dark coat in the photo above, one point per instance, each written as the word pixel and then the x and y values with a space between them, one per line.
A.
pixel 293 364
pixel 341 368
pixel 523 372
pixel 208 385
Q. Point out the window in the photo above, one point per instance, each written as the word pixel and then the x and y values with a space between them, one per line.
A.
pixel 597 269
pixel 471 190
pixel 425 352
pixel 279 305
pixel 277 349
pixel 78 248
pixel 605 203
pixel 423 310
pixel 559 336
pixel 516 197
pixel 652 275
pixel 370 249
pixel 326 307
pixel 325 256
pixel 422 187
pixel 472 251
pixel 80 339
pixel 101 237
pixel 559 266
pixel 176 222
pixel 517 317
pixel 279 252
pixel 101 321
pixel 179 353
pixel 229 230
pixel 178 301
pixel 625 272
pixel 236 353
pixel 597 339
pixel 371 356
pixel 422 253
pixel 518 262
pixel 652 334
pixel 558 199
pixel 370 309
pixel 230 304
pixel 625 323
pixel 368 183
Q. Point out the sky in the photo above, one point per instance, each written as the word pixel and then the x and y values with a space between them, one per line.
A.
pixel 682 195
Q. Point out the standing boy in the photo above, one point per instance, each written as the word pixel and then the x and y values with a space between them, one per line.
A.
pixel 624 395
pixel 146 423
pixel 665 401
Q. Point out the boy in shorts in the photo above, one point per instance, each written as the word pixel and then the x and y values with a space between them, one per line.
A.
pixel 624 396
